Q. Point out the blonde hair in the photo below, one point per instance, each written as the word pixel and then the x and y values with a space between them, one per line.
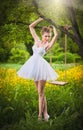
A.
pixel 46 29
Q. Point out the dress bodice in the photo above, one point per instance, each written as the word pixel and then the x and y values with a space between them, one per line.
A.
pixel 38 50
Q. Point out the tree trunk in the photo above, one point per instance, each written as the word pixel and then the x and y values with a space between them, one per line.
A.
pixel 77 36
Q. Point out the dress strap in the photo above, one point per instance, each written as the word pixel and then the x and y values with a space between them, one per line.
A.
pixel 37 41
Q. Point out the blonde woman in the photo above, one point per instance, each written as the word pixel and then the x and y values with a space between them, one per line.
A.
pixel 37 67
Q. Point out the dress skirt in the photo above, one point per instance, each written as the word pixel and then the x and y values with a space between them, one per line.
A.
pixel 37 68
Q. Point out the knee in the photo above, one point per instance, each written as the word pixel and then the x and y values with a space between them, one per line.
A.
pixel 40 93
pixel 40 90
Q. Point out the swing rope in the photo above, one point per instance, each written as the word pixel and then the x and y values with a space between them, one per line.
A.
pixel 65 64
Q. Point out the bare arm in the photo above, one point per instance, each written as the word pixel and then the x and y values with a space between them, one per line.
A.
pixel 32 29
pixel 53 39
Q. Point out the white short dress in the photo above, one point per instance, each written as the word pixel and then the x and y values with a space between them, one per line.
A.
pixel 36 67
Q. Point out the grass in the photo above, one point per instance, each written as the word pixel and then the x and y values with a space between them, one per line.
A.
pixel 63 66
pixel 10 65
pixel 55 66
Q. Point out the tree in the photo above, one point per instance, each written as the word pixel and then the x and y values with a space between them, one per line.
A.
pixel 69 12
pixel 14 32
pixel 18 14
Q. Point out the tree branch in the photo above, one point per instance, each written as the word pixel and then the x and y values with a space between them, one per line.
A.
pixel 75 27
pixel 61 28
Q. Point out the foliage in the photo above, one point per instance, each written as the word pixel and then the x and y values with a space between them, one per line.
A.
pixel 19 102
pixel 58 11
pixel 18 56
pixel 63 15
pixel 3 54
pixel 57 54
pixel 14 31
pixel 60 57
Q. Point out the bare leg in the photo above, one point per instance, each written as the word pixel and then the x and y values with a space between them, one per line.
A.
pixel 42 98
pixel 46 116
pixel 36 84
pixel 45 107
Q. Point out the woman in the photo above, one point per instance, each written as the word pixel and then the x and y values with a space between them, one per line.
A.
pixel 37 67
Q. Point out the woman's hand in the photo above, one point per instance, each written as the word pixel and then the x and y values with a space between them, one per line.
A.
pixel 40 18
pixel 36 22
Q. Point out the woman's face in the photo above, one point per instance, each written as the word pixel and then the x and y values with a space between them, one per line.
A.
pixel 46 37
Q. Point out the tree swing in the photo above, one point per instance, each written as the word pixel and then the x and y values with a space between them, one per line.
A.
pixel 65 63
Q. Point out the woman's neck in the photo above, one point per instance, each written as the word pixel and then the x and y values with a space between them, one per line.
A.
pixel 43 42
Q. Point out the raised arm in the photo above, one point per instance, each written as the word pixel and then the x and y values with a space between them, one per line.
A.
pixel 53 39
pixel 32 29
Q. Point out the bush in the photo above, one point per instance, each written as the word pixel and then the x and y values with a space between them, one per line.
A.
pixel 18 56
pixel 60 58
pixel 3 55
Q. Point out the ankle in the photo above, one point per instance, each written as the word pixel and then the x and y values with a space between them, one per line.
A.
pixel 39 117
pixel 45 114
